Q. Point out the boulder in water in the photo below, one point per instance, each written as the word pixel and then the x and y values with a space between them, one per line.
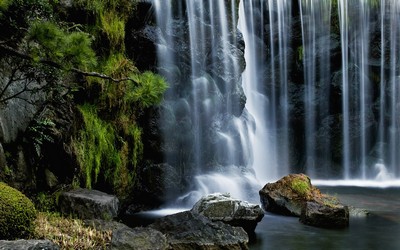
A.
pixel 288 195
pixel 222 207
pixel 187 230
pixel 295 196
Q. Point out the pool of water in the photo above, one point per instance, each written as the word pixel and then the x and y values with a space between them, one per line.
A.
pixel 379 230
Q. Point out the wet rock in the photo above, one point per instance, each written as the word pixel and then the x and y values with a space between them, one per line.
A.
pixel 89 204
pixel 138 238
pixel 326 216
pixel 294 195
pixel 222 207
pixel 187 230
pixel 288 195
pixel 28 245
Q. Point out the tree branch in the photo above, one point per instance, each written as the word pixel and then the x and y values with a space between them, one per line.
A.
pixel 19 54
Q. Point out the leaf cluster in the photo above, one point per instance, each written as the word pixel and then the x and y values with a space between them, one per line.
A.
pixel 148 91
pixel 39 132
pixel 71 49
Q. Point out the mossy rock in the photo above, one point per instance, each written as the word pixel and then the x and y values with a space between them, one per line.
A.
pixel 17 214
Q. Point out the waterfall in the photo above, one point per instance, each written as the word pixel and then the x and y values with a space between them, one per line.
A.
pixel 204 123
pixel 263 88
pixel 316 30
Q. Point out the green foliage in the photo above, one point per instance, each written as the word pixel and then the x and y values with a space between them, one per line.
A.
pixel 95 146
pixel 101 151
pixel 17 15
pixel 4 5
pixel 17 214
pixel 301 187
pixel 45 202
pixel 148 91
pixel 117 66
pixel 111 17
pixel 114 28
pixel 70 49
pixel 39 133
pixel 137 148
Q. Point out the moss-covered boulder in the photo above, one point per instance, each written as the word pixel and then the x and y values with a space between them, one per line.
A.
pixel 17 213
pixel 288 195
pixel 295 196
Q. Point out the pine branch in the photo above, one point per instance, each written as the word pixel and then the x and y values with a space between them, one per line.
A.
pixel 14 52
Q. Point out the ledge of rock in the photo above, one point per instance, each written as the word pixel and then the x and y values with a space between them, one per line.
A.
pixel 222 207
pixel 28 245
pixel 294 195
pixel 187 230
pixel 89 204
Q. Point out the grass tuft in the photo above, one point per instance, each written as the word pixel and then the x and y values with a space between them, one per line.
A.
pixel 70 233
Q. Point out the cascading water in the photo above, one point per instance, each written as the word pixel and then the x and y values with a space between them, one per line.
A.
pixel 320 90
pixel 205 132
pixel 316 31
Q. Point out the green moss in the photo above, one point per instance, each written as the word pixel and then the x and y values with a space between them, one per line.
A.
pixel 111 16
pixel 17 214
pixel 103 151
pixel 301 187
pixel 95 146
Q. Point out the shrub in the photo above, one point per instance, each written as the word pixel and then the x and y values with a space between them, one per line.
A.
pixel 17 214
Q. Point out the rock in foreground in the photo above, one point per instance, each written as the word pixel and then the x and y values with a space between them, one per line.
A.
pixel 186 231
pixel 295 196
pixel 138 238
pixel 89 204
pixel 222 207
pixel 28 245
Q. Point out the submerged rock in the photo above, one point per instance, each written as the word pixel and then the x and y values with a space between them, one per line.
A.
pixel 89 204
pixel 295 196
pixel 187 230
pixel 222 207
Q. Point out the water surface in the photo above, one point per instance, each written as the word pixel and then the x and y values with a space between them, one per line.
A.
pixel 379 230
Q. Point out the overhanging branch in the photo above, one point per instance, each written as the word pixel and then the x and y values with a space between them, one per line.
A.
pixel 14 52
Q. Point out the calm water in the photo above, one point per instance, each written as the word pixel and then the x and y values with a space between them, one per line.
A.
pixel 380 230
